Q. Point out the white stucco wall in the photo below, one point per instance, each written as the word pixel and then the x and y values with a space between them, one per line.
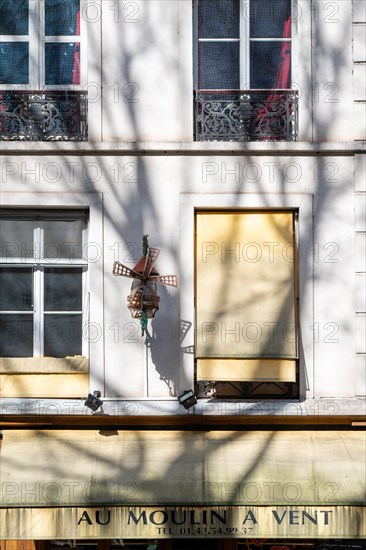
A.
pixel 140 70
pixel 145 195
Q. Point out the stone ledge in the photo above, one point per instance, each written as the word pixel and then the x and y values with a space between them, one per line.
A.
pixel 44 365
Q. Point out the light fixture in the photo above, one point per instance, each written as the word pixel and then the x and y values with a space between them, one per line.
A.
pixel 93 402
pixel 187 399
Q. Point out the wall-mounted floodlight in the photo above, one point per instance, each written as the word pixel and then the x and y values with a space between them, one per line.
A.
pixel 187 399
pixel 93 402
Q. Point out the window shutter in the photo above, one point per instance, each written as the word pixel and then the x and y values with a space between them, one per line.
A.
pixel 245 296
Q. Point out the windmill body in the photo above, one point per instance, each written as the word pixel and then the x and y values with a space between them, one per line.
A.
pixel 143 300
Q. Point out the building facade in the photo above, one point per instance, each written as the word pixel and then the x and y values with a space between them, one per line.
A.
pixel 183 215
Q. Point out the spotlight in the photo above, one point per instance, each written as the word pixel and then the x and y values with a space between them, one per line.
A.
pixel 187 399
pixel 93 402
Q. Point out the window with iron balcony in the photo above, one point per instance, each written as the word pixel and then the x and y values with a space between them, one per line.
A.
pixel 243 71
pixel 42 70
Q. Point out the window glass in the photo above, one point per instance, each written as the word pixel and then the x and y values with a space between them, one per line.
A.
pixel 222 55
pixel 62 63
pixel 16 292
pixel 62 335
pixel 268 18
pixel 16 335
pixel 16 239
pixel 270 65
pixel 63 239
pixel 10 23
pixel 218 19
pixel 62 17
pixel 14 62
pixel 63 289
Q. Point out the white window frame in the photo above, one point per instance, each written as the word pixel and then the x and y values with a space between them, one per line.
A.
pixel 244 40
pixel 39 263
pixel 37 40
pixel 93 202
pixel 303 203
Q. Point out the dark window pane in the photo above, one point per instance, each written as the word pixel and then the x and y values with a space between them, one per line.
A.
pixel 62 335
pixel 16 289
pixel 62 63
pixel 63 239
pixel 268 18
pixel 16 335
pixel 63 289
pixel 16 239
pixel 270 65
pixel 62 17
pixel 218 19
pixel 14 63
pixel 14 17
pixel 218 66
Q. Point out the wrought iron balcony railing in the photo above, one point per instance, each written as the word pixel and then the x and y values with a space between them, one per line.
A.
pixel 246 115
pixel 43 116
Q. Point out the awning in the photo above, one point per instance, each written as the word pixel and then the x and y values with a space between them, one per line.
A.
pixel 269 472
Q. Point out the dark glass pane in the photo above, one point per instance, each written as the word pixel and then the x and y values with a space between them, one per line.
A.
pixel 62 63
pixel 14 63
pixel 16 239
pixel 14 17
pixel 63 289
pixel 270 18
pixel 16 335
pixel 16 289
pixel 218 19
pixel 218 66
pixel 62 17
pixel 270 65
pixel 63 239
pixel 62 335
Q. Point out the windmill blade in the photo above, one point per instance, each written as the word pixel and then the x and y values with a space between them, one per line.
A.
pixel 151 258
pixel 170 280
pixel 120 269
pixel 135 301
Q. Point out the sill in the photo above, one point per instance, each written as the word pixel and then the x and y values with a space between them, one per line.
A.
pixel 44 365
pixel 183 148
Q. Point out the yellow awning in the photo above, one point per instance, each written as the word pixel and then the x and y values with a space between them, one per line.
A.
pixel 86 467
pixel 58 484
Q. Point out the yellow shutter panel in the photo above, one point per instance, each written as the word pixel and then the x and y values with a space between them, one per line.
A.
pixel 245 292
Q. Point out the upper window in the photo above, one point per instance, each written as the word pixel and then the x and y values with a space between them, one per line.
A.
pixel 42 56
pixel 41 43
pixel 244 44
pixel 246 302
pixel 242 49
pixel 43 300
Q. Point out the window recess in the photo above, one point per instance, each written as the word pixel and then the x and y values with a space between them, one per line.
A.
pixel 43 290
pixel 246 295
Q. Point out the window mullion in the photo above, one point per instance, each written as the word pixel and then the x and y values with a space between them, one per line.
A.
pixel 34 19
pixel 37 311
pixel 38 275
pixel 244 55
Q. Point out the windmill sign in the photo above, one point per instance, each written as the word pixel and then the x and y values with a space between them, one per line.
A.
pixel 143 300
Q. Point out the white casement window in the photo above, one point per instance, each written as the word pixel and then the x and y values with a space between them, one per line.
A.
pixel 243 70
pixel 243 44
pixel 42 44
pixel 246 296
pixel 43 70
pixel 43 283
